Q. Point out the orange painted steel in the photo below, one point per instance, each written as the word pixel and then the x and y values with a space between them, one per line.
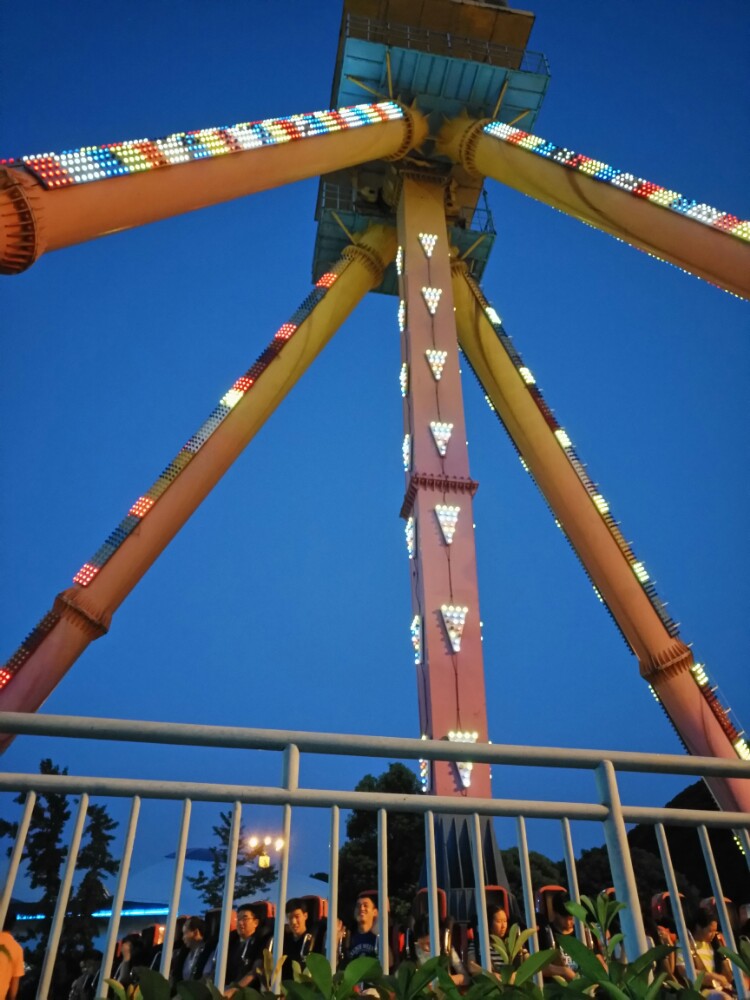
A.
pixel 665 661
pixel 35 220
pixel 84 613
pixel 450 683
pixel 709 253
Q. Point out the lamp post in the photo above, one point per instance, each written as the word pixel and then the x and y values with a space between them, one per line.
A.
pixel 263 845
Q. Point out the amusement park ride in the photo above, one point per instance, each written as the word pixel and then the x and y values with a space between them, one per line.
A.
pixel 454 98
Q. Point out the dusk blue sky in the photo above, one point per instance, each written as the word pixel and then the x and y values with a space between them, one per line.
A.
pixel 284 603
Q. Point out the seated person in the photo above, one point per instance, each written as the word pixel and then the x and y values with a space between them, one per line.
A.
pixel 363 940
pixel 422 952
pixel 189 960
pixel 245 955
pixel 552 934
pixel 298 940
pixel 497 920
pixel 717 972
pixel 84 988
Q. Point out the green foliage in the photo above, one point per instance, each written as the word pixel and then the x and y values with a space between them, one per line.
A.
pixel 319 982
pixel 97 862
pixel 44 852
pixel 609 978
pixel 358 865
pixel 741 960
pixel 412 981
pixel 247 883
pixel 543 870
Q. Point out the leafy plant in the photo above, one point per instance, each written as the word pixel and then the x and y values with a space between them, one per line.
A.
pixel 611 978
pixel 741 960
pixel 318 980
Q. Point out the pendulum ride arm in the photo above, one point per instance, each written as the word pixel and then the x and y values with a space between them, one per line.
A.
pixel 56 200
pixel 620 580
pixel 83 612
pixel 696 237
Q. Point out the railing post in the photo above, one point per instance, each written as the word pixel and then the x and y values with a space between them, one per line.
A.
pixel 570 868
pixel 383 915
pixel 62 899
pixel 228 898
pixel 432 887
pixel 117 899
pixel 674 897
pixel 621 862
pixel 477 858
pixel 721 906
pixel 15 858
pixel 290 777
pixel 174 901
pixel 332 939
pixel 528 892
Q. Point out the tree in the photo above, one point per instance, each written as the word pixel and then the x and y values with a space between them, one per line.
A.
pixel 686 852
pixel 543 871
pixel 44 851
pixel 97 862
pixel 247 883
pixel 358 858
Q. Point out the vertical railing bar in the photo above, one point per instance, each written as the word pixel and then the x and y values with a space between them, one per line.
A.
pixel 228 897
pixel 61 906
pixel 674 895
pixel 174 902
pixel 743 835
pixel 332 940
pixel 290 778
pixel 117 899
pixel 721 906
pixel 480 890
pixel 570 867
pixel 528 891
pixel 620 861
pixel 383 915
pixel 432 886
pixel 15 858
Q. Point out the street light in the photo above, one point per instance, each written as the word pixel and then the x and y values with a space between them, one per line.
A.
pixel 265 844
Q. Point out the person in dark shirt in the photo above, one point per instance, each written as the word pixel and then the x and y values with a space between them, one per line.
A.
pixel 245 959
pixel 363 940
pixel 189 961
pixel 84 988
pixel 298 940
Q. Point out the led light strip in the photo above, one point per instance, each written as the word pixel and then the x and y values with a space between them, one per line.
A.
pixel 698 671
pixel 145 503
pixel 566 444
pixel 94 163
pixel 621 179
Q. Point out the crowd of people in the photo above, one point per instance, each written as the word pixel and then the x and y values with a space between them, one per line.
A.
pixel 252 926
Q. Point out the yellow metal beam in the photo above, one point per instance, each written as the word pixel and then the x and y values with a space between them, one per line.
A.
pixel 83 612
pixel 664 660
pixel 34 220
pixel 709 252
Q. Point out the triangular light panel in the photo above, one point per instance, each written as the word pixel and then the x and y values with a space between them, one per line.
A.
pixel 441 432
pixel 464 767
pixel 448 519
pixel 436 360
pixel 431 297
pixel 428 241
pixel 454 619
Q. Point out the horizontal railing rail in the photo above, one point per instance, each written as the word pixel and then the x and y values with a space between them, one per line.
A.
pixel 356 745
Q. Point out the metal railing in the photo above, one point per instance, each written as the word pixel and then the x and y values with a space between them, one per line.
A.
pixel 445 44
pixel 343 198
pixel 607 810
